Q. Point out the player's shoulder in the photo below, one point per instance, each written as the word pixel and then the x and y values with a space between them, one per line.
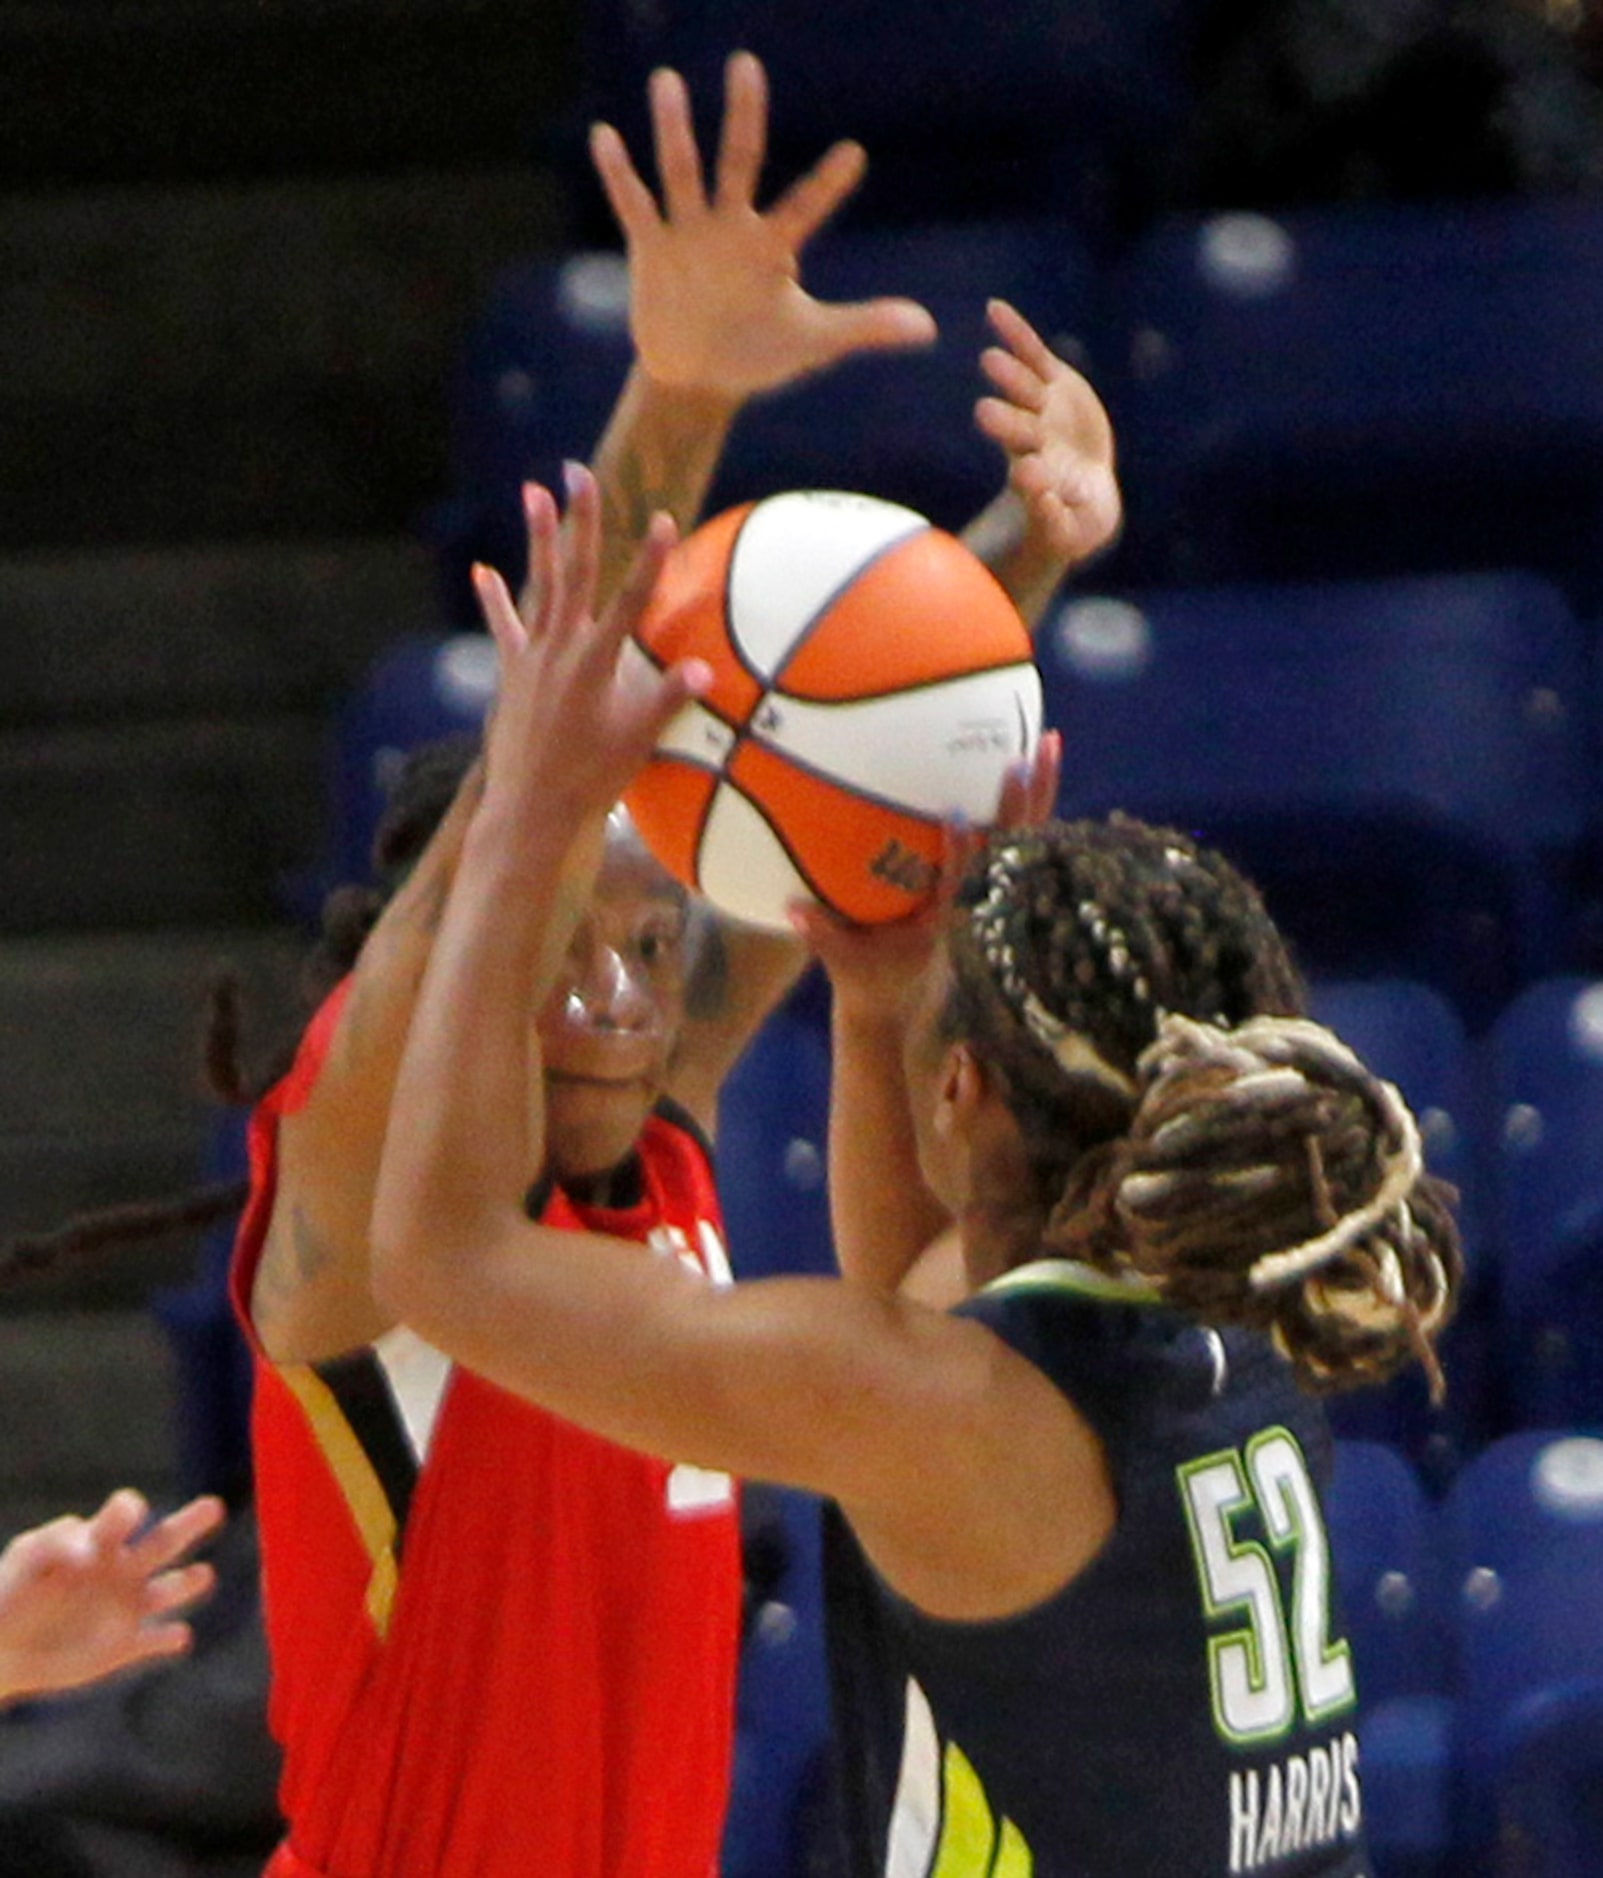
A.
pixel 1065 1297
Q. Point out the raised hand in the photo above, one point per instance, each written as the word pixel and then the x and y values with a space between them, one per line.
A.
pixel 1057 437
pixel 872 968
pixel 716 300
pixel 83 1598
pixel 575 716
pixel 1030 788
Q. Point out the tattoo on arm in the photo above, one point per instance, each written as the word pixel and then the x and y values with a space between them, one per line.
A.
pixel 290 1263
pixel 628 503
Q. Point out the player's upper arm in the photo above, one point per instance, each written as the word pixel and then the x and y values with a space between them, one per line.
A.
pixel 737 975
pixel 973 1482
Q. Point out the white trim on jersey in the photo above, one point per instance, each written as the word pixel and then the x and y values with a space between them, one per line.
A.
pixel 916 1812
pixel 415 1374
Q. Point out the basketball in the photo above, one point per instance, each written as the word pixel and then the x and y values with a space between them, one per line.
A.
pixel 872 679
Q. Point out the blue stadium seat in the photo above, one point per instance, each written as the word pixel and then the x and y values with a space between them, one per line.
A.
pixel 1525 1548
pixel 773 1123
pixel 544 363
pixel 1386 1558
pixel 771 1155
pixel 423 687
pixel 1546 1073
pixel 781 1823
pixel 210 1361
pixel 1366 390
pixel 965 111
pixel 1403 765
pixel 1410 1034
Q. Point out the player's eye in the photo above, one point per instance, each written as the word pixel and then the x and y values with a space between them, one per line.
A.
pixel 656 946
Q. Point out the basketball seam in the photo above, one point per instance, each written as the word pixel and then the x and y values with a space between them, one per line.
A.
pixel 704 704
pixel 901 691
pixel 778 833
pixel 832 780
pixel 816 617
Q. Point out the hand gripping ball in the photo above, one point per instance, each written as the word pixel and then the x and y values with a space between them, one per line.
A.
pixel 872 679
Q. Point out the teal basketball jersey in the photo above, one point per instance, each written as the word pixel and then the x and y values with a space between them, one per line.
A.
pixel 1185 1707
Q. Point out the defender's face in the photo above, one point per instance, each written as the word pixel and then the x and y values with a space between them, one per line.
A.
pixel 608 1029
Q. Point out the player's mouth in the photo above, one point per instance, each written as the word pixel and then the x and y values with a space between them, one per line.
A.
pixel 575 1079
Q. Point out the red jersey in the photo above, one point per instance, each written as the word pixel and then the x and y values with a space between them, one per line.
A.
pixel 501 1645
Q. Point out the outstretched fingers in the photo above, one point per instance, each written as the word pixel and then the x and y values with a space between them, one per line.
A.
pixel 651 698
pixel 1030 788
pixel 634 595
pixel 1020 337
pixel 119 1518
pixel 160 1548
pixel 499 612
pixel 1017 430
pixel 169 1592
pixel 678 159
pixel 744 143
pixel 579 559
pixel 540 532
pixel 886 325
pixel 1020 384
pixel 632 203
pixel 813 198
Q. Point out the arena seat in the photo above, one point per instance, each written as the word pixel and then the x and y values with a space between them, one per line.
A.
pixel 771 1158
pixel 773 1124
pixel 966 112
pixel 1410 1034
pixel 1366 390
pixel 1403 765
pixel 1525 1548
pixel 1546 1076
pixel 423 687
pixel 211 1362
pixel 780 1822
pixel 543 364
pixel 1387 1564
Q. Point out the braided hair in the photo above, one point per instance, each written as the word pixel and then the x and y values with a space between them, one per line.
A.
pixel 1185 1124
pixel 424 787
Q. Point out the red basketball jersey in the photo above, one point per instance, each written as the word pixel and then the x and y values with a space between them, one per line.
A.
pixel 501 1646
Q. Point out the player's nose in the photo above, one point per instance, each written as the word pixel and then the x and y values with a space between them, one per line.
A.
pixel 614 993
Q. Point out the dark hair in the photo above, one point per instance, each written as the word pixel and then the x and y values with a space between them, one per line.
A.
pixel 423 788
pixel 1185 1123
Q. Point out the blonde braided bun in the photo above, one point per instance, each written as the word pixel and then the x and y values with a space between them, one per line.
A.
pixel 1268 1178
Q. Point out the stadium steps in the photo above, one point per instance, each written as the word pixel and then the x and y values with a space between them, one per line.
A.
pixel 239 247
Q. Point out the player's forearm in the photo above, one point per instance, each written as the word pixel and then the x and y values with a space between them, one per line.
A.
pixel 659 451
pixel 740 974
pixel 881 1213
pixel 466 1134
pixel 312 1294
pixel 1027 565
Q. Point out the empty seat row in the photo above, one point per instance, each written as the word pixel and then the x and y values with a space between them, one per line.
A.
pixel 1477 1631
pixel 1340 392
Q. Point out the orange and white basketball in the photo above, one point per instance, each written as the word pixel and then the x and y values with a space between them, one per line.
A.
pixel 872 679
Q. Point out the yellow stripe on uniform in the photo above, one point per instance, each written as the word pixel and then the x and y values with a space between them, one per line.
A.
pixel 942 1825
pixel 1013 1858
pixel 353 1471
pixel 968 1833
